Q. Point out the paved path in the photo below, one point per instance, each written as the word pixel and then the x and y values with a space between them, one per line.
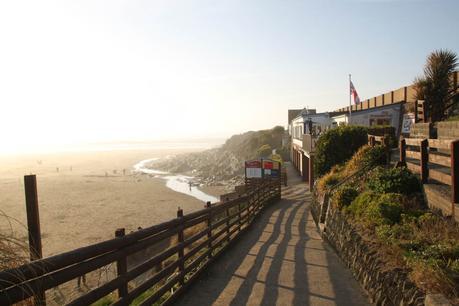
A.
pixel 281 260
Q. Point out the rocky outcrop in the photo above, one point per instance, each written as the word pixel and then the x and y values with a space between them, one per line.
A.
pixel 215 167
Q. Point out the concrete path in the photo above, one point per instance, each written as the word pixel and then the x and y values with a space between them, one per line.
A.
pixel 281 260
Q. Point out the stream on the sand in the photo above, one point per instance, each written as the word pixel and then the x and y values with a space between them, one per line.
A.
pixel 178 183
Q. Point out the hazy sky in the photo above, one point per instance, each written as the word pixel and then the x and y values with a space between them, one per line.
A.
pixel 75 71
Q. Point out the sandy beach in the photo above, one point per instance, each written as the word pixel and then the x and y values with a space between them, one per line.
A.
pixel 88 197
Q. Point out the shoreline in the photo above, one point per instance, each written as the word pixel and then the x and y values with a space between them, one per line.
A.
pixel 177 182
pixel 85 196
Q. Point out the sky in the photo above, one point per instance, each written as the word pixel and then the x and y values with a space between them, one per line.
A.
pixel 90 71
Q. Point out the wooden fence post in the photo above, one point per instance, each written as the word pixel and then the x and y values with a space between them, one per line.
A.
pixel 121 266
pixel 209 227
pixel 227 224
pixel 402 148
pixel 33 226
pixel 181 251
pixel 424 161
pixel 239 214
pixel 372 141
pixel 305 166
pixel 385 142
pixel 454 174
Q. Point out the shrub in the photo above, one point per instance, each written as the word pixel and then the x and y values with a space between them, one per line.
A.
pixel 264 151
pixel 344 196
pixel 364 157
pixel 336 146
pixel 385 210
pixel 395 180
pixel 360 203
pixel 328 180
pixel 377 209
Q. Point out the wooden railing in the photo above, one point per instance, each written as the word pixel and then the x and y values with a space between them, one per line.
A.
pixel 374 140
pixel 200 237
pixel 433 159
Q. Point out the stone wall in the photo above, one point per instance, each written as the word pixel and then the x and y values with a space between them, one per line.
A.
pixel 448 130
pixel 421 130
pixel 384 286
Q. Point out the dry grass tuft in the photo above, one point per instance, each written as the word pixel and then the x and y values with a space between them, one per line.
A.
pixel 13 250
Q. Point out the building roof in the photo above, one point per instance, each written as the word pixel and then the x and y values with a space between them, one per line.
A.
pixel 292 114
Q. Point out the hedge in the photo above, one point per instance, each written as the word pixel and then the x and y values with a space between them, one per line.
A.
pixel 336 146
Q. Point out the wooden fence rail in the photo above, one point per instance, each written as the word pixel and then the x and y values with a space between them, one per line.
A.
pixel 433 159
pixel 374 140
pixel 200 237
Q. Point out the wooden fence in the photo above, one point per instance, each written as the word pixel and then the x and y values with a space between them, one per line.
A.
pixel 383 141
pixel 200 237
pixel 433 159
pixel 374 140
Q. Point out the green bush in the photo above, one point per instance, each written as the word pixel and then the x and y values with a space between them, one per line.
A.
pixel 338 145
pixel 377 209
pixel 344 196
pixel 394 180
pixel 264 151
pixel 328 180
pixel 366 156
pixel 361 202
pixel 385 210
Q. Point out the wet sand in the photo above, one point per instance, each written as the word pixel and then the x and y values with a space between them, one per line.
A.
pixel 88 197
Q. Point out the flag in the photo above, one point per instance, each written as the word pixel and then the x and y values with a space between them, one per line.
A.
pixel 354 94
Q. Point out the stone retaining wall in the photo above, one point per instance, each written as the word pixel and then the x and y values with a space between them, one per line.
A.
pixel 385 287
pixel 421 130
pixel 448 130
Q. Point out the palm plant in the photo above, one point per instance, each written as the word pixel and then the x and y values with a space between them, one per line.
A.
pixel 436 86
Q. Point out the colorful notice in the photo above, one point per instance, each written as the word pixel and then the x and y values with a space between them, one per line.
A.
pixel 267 164
pixel 253 169
pixel 408 121
pixel 253 164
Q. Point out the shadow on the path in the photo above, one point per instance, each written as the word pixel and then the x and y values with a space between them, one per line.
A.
pixel 283 276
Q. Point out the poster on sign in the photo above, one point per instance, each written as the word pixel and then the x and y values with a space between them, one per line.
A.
pixel 253 169
pixel 271 168
pixel 408 121
pixel 267 164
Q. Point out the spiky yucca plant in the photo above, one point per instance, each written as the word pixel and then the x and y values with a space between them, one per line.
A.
pixel 436 86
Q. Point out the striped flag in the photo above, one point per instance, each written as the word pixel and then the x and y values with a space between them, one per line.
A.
pixel 354 94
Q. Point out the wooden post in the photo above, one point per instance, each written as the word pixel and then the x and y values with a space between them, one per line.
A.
pixel 180 251
pixel 121 266
pixel 424 161
pixel 239 214
pixel 227 224
pixel 454 174
pixel 33 226
pixel 386 144
pixel 305 170
pixel 402 148
pixel 209 227
pixel 311 171
pixel 372 141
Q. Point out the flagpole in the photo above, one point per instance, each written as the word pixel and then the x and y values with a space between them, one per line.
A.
pixel 350 103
